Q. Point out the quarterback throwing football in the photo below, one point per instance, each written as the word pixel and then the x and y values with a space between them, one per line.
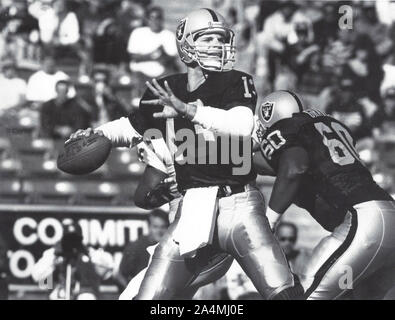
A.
pixel 220 211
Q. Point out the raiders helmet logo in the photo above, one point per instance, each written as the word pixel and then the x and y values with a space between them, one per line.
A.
pixel 267 110
pixel 180 29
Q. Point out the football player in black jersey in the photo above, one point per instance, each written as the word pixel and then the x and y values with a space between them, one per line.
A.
pixel 317 168
pixel 213 104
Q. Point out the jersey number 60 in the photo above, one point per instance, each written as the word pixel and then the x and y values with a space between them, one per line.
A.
pixel 339 143
pixel 272 142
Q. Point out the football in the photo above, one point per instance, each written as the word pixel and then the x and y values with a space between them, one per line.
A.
pixel 84 155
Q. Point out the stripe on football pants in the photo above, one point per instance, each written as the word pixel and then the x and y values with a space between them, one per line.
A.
pixel 335 255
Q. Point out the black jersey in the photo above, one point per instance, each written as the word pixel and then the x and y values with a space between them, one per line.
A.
pixel 328 214
pixel 335 171
pixel 223 90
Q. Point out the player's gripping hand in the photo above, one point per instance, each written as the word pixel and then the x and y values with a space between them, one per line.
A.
pixel 172 106
pixel 83 133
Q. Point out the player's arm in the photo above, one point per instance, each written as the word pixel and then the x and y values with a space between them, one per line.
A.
pixel 158 184
pixel 125 131
pixel 120 132
pixel 154 189
pixel 261 165
pixel 293 165
pixel 237 119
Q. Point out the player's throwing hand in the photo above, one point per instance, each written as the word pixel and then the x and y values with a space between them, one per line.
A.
pixel 172 106
pixel 83 133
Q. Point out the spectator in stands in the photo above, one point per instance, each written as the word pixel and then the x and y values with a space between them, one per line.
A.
pixel 353 110
pixel 102 101
pixel 59 28
pixel 20 32
pixel 368 23
pixel 278 30
pixel 287 235
pixel 3 269
pixel 12 88
pixel 337 53
pixel 389 104
pixel 246 48
pixel 152 50
pixel 41 85
pixel 71 259
pixel 93 17
pixel 278 27
pixel 91 13
pixel 130 16
pixel 383 120
pixel 365 68
pixel 297 59
pixel 108 45
pixel 245 32
pixel 326 27
pixel 389 67
pixel 135 255
pixel 63 115
pixel 386 11
pixel 266 9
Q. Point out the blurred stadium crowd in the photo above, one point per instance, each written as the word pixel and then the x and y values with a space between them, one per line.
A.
pixel 72 64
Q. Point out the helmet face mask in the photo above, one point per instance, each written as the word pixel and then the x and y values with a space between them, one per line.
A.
pixel 217 57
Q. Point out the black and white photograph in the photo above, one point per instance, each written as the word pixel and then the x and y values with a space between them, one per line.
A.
pixel 205 152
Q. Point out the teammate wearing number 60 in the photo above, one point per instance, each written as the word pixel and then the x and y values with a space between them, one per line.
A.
pixel 318 169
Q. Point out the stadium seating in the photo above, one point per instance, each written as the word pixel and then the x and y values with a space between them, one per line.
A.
pixel 123 163
pixel 38 166
pixel 11 191
pixel 50 192
pixel 5 145
pixel 24 123
pixel 98 193
pixel 127 190
pixel 28 145
pixel 387 151
pixel 10 165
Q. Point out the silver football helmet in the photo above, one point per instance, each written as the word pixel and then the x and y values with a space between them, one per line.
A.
pixel 276 106
pixel 209 57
